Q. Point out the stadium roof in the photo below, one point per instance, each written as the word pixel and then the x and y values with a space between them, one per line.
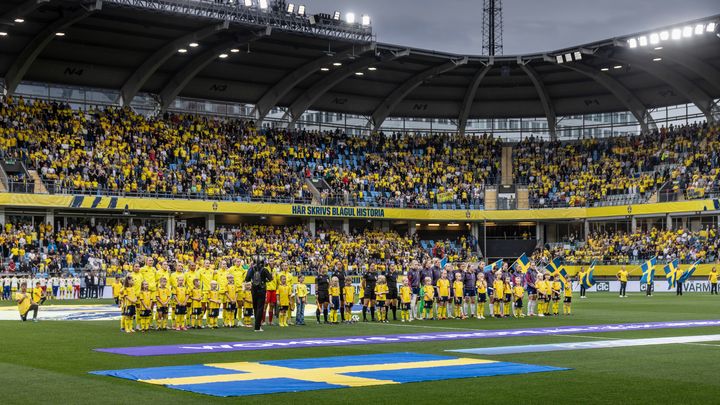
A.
pixel 133 45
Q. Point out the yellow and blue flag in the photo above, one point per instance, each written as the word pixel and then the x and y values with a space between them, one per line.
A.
pixel 648 270
pixel 689 272
pixel 492 266
pixel 556 269
pixel 671 273
pixel 522 263
pixel 587 279
pixel 296 375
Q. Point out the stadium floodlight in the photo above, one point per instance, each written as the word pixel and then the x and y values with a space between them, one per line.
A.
pixel 59 34
pixel 372 68
pixel 710 27
pixel 336 15
pixel 605 69
pixel 324 69
pixel 182 50
pixel 632 43
pixel 350 18
pixel 559 59
pixel 290 8
pixel 223 55
pixel 664 35
pixel 301 9
pixel 699 29
pixel 643 41
pixel 193 44
pixel 657 59
pixel 19 20
pixel 676 33
pixel 3 34
pixel 337 64
pixel 263 4
pixel 359 73
pixel 568 57
pixel 248 3
pixel 234 50
pixel 617 67
pixel 687 31
pixel 657 48
pixel 365 20
pixel 578 55
pixel 654 38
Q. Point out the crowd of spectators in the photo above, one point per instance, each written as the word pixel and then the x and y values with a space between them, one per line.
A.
pixel 113 248
pixel 634 247
pixel 685 159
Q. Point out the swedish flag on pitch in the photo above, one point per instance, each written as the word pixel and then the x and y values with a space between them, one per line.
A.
pixel 556 269
pixel 522 263
pixel 648 270
pixel 671 273
pixel 689 272
pixel 587 279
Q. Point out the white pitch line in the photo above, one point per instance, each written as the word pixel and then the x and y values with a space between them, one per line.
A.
pixel 429 327
pixel 587 337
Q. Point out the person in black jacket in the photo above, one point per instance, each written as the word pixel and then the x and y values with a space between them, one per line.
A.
pixel 339 272
pixel 392 296
pixel 258 276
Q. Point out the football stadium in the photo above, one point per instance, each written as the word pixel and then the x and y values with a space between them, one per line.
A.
pixel 263 201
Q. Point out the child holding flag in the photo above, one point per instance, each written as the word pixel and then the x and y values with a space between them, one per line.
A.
pixel 405 300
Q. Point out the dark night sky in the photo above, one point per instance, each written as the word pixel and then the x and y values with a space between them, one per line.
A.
pixel 530 25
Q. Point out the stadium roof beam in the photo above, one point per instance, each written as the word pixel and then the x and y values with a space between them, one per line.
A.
pixel 470 97
pixel 279 90
pixel 141 75
pixel 21 10
pixel 625 96
pixel 544 98
pixel 299 106
pixel 22 63
pixel 682 85
pixel 182 77
pixel 397 95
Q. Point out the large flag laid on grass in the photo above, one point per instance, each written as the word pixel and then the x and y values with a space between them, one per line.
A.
pixel 522 263
pixel 648 270
pixel 587 279
pixel 689 272
pixel 671 273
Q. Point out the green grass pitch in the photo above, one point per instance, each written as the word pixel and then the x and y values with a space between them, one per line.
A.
pixel 50 360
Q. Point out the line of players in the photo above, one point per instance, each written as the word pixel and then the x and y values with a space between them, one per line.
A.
pixel 191 301
pixel 61 288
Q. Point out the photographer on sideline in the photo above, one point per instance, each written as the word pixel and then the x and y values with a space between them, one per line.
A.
pixel 258 276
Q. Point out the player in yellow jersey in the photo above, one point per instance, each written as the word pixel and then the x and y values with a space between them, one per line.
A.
pixel 622 277
pixel 481 285
pixel 555 290
pixel 443 288
pixel 301 293
pixel 148 274
pixel 540 284
pixel 381 291
pixel 162 301
pixel 26 302
pixel 130 303
pixel 349 294
pixel 247 305
pixel 405 296
pixel 230 302
pixel 458 292
pixel 117 287
pixel 335 301
pixel 567 310
pixel 207 276
pixel 518 293
pixel 196 298
pixel 508 299
pixel 284 296
pixel 180 297
pixel 213 300
pixel 498 295
pixel 137 278
pixel 713 280
pixel 145 299
pixel 428 298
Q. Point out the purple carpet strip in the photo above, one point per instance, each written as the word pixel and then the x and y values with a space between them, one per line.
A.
pixel 400 338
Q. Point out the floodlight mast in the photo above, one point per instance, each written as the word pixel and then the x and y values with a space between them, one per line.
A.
pixel 492 27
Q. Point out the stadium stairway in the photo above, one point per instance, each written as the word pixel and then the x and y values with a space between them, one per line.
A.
pixel 39 185
pixel 3 180
pixel 506 166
